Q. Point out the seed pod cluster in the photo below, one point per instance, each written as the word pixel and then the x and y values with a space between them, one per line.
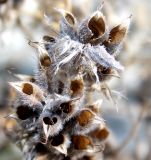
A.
pixel 55 118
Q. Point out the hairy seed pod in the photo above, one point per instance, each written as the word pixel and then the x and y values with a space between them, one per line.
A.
pixel 100 134
pixel 76 87
pixel 84 117
pixel 81 142
pixel 97 25
pixel 27 88
pixel 116 36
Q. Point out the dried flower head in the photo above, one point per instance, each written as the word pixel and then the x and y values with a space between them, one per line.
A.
pixel 54 115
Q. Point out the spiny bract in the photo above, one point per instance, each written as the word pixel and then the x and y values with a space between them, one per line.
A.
pixel 56 118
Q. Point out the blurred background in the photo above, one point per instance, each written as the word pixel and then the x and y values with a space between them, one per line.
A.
pixel 130 126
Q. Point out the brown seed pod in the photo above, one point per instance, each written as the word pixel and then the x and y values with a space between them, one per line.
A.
pixel 103 72
pixel 100 134
pixel 116 35
pixel 30 89
pixel 97 25
pixel 45 61
pixel 44 58
pixel 61 143
pixel 27 88
pixel 81 142
pixel 66 107
pixel 51 125
pixel 68 17
pixel 84 117
pixel 76 87
pixel 49 121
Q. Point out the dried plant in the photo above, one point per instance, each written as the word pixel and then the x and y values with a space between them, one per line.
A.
pixel 57 113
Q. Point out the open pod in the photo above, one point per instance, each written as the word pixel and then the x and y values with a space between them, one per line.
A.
pixel 61 143
pixel 68 23
pixel 117 35
pixel 30 90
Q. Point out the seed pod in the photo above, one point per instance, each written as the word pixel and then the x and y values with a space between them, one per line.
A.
pixel 57 140
pixel 97 25
pixel 66 107
pixel 45 61
pixel 118 33
pixel 92 29
pixel 103 73
pixel 85 117
pixel 100 134
pixel 24 87
pixel 67 24
pixel 87 121
pixel 29 89
pixel 68 17
pixel 61 143
pixel 116 36
pixel 44 58
pixel 51 125
pixel 24 112
pixel 76 87
pixel 81 142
